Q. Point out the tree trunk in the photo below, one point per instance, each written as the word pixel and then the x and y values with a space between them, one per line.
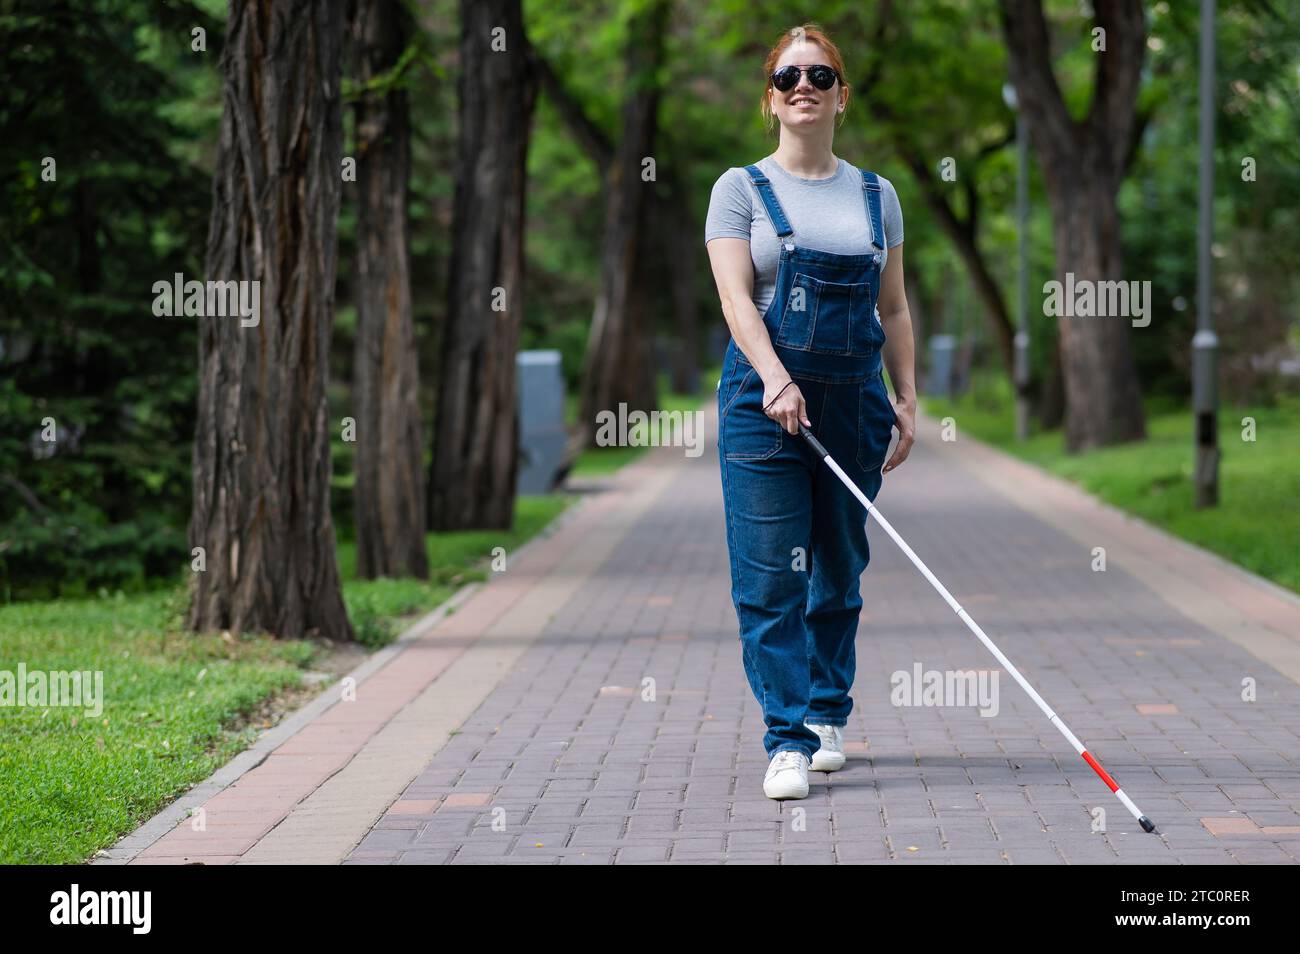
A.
pixel 682 271
pixel 619 365
pixel 261 506
pixel 1083 164
pixel 1051 406
pixel 1103 399
pixel 475 460
pixel 964 235
pixel 388 498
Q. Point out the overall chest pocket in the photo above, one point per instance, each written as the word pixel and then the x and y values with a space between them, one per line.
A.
pixel 826 317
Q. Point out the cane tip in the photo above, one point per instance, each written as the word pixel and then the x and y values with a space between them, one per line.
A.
pixel 1147 824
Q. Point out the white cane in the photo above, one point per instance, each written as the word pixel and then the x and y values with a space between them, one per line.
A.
pixel 816 445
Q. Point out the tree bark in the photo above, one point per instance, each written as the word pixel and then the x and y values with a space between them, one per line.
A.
pixel 677 214
pixel 1051 408
pixel 619 364
pixel 261 507
pixel 1083 163
pixel 388 498
pixel 476 428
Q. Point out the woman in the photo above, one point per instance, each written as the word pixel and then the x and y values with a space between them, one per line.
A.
pixel 807 253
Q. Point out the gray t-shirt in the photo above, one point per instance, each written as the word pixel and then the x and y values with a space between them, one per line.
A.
pixel 827 214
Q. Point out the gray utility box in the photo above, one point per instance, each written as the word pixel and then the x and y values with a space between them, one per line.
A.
pixel 542 437
pixel 943 352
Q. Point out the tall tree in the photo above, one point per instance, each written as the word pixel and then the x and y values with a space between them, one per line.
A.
pixel 973 141
pixel 677 219
pixel 261 506
pixel 389 502
pixel 619 364
pixel 476 428
pixel 1083 163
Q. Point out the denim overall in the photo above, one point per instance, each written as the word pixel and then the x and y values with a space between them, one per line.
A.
pixel 796 535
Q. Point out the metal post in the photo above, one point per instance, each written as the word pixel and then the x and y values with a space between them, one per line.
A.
pixel 1205 343
pixel 1022 279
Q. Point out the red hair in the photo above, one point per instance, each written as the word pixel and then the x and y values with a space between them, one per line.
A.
pixel 810 33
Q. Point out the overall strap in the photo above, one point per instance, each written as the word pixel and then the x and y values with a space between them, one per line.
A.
pixel 871 193
pixel 774 212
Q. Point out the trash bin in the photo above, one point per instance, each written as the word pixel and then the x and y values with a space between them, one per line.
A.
pixel 938 380
pixel 542 436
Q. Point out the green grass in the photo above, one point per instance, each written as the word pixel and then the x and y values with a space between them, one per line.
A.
pixel 596 461
pixel 1256 524
pixel 175 704
pixel 70 782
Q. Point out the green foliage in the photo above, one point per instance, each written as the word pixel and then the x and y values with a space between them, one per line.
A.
pixel 82 357
pixel 372 627
pixel 1257 255
pixel 112 90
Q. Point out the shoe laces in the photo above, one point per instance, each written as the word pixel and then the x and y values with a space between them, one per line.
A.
pixel 786 759
pixel 824 732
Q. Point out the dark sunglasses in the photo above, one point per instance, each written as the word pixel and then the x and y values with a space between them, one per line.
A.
pixel 823 77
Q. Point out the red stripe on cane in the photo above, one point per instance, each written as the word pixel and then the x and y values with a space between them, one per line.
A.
pixel 1096 767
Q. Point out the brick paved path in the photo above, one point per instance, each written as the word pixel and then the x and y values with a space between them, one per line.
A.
pixel 607 718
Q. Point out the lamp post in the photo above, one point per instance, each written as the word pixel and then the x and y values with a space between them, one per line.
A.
pixel 1021 375
pixel 1205 343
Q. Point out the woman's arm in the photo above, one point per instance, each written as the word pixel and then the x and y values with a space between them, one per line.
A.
pixel 733 271
pixel 899 353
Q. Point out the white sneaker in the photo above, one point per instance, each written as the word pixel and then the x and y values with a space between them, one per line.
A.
pixel 830 757
pixel 787 775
